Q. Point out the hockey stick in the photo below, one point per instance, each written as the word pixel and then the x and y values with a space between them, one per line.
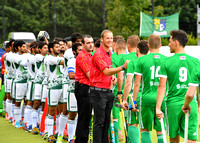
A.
pixel 91 128
pixel 186 127
pixel 112 129
pixel 163 130
pixel 122 111
pixel 133 106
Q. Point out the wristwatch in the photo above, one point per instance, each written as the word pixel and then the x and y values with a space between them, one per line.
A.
pixel 123 67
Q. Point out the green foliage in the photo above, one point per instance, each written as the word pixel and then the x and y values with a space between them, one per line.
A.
pixel 191 40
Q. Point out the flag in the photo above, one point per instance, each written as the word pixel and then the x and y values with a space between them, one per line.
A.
pixel 158 25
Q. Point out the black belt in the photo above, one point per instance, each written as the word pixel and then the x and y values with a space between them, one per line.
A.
pixel 100 89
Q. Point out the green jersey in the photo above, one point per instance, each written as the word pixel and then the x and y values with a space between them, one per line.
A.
pixel 177 69
pixel 195 77
pixel 148 67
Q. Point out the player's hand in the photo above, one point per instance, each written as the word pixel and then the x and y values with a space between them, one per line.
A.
pixel 159 114
pixel 113 80
pixel 186 108
pixel 125 105
pixel 135 109
pixel 126 64
pixel 119 96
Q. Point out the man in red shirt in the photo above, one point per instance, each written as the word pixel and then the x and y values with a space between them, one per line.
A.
pixel 101 80
pixel 81 89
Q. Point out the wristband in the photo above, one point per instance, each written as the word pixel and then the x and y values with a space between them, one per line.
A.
pixel 131 107
pixel 123 67
pixel 119 92
pixel 135 102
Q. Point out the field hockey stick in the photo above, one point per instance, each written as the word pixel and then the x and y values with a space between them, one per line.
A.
pixel 186 127
pixel 122 111
pixel 112 129
pixel 163 130
pixel 133 106
pixel 91 130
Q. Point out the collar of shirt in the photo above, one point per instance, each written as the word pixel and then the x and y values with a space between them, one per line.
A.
pixel 86 53
pixel 103 50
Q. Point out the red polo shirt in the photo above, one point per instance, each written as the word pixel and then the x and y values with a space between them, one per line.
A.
pixel 82 67
pixel 100 60
pixel 2 63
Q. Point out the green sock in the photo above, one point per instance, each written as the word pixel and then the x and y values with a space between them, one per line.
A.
pixel 116 127
pixel 145 137
pixel 160 138
pixel 133 134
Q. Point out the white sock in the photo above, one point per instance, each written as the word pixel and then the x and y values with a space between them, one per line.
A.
pixel 76 120
pixel 40 117
pixel 17 113
pixel 46 125
pixel 39 110
pixel 62 124
pixel 34 118
pixel 57 123
pixel 27 115
pixel 50 125
pixel 23 107
pixel 8 107
pixel 4 105
pixel 71 129
pixel 12 111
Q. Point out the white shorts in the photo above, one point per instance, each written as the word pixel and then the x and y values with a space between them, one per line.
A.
pixel 72 102
pixel 8 85
pixel 44 93
pixel 29 93
pixel 13 89
pixel 54 96
pixel 65 93
pixel 37 91
pixel 20 91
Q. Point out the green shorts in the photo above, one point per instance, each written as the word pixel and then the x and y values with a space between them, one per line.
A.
pixel 176 121
pixel 148 119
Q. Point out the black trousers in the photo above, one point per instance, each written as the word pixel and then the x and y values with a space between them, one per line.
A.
pixel 84 112
pixel 102 101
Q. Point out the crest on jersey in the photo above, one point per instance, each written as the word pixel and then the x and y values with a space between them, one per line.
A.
pixel 182 57
pixel 156 56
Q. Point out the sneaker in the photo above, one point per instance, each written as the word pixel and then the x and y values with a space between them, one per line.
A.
pixel 65 137
pixel 17 125
pixel 42 133
pixel 10 120
pixel 46 136
pixel 14 122
pixel 35 131
pixel 56 135
pixel 71 141
pixel 24 126
pixel 4 113
pixel 51 139
pixel 59 139
pixel 29 128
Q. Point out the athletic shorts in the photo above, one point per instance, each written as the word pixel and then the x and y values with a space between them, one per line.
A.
pixel 8 85
pixel 12 89
pixel 44 93
pixel 54 96
pixel 20 91
pixel 176 121
pixel 65 93
pixel 72 102
pixel 148 119
pixel 37 90
pixel 29 93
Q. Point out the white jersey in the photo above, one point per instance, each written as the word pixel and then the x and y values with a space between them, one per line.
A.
pixel 8 65
pixel 20 63
pixel 71 65
pixel 54 74
pixel 31 66
pixel 39 68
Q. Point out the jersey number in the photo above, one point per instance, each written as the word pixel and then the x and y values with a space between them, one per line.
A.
pixel 153 75
pixel 182 74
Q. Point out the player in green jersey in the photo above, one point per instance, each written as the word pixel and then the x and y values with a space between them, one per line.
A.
pixel 177 70
pixel 141 50
pixel 147 72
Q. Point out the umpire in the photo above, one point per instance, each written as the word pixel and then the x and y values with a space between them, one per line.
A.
pixel 81 89
pixel 100 84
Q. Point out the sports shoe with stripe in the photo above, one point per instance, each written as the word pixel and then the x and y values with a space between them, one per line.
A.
pixel 51 139
pixel 46 136
pixel 29 128
pixel 4 113
pixel 35 131
pixel 17 125
pixel 59 139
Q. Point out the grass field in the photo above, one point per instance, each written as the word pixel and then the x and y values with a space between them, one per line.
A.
pixel 9 134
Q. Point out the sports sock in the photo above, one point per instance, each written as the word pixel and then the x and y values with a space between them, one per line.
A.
pixel 145 137
pixel 34 118
pixel 12 111
pixel 4 105
pixel 50 123
pixel 39 110
pixel 133 134
pixel 46 125
pixel 116 127
pixel 40 117
pixel 8 107
pixel 71 129
pixel 57 123
pixel 27 115
pixel 17 113
pixel 160 138
pixel 22 112
pixel 63 121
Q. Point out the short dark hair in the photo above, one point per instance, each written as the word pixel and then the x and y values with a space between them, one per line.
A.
pixel 10 42
pixel 97 43
pixel 58 39
pixel 18 43
pixel 34 44
pixel 85 36
pixel 51 45
pixel 41 44
pixel 180 36
pixel 96 39
pixel 116 38
pixel 143 47
pixel 75 36
pixel 75 46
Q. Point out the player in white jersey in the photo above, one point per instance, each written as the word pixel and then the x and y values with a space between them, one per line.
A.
pixel 69 95
pixel 20 80
pixel 53 62
pixel 37 88
pixel 29 93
